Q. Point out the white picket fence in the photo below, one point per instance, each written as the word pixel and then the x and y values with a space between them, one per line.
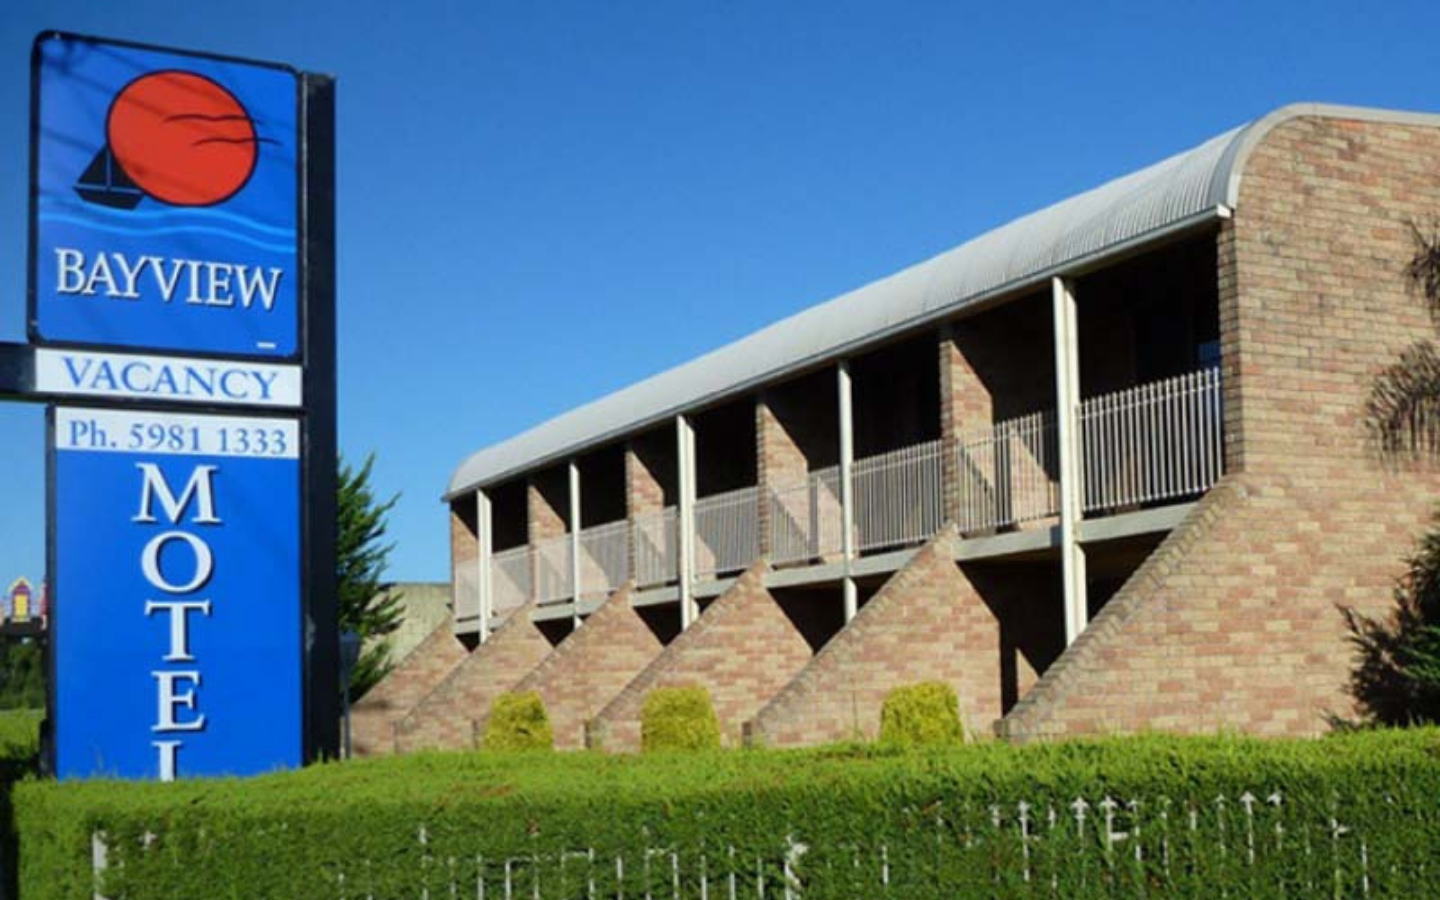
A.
pixel 1238 845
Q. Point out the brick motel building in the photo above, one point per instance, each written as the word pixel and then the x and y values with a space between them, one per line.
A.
pixel 1103 469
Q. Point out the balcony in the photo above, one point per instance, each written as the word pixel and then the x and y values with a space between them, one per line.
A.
pixel 1149 445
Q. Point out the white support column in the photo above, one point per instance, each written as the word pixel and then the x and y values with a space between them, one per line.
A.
pixel 685 520
pixel 485 535
pixel 847 485
pixel 575 542
pixel 1067 409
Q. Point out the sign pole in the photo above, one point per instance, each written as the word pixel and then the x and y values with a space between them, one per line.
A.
pixel 321 666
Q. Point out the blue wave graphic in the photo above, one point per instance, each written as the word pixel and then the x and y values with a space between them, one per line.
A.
pixel 177 229
pixel 164 215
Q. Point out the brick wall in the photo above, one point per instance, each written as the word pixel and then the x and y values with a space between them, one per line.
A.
pixel 423 607
pixel 591 666
pixel 546 506
pixel 1232 622
pixel 643 491
pixel 965 406
pixel 447 717
pixel 464 544
pixel 373 718
pixel 994 367
pixel 742 648
pixel 926 623
pixel 780 463
pixel 464 551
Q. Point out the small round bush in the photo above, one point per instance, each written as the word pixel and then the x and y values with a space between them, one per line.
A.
pixel 921 715
pixel 680 718
pixel 519 722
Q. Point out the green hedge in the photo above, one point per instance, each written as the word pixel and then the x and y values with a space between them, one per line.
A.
pixel 19 757
pixel 20 736
pixel 1197 818
pixel 921 715
pixel 679 718
pixel 518 721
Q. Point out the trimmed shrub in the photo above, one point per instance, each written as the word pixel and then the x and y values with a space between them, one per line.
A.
pixel 1154 816
pixel 19 758
pixel 679 719
pixel 519 722
pixel 20 735
pixel 921 715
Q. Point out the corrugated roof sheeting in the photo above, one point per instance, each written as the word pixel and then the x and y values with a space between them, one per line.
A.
pixel 1187 186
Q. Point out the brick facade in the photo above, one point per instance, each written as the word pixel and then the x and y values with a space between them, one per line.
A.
pixel 644 495
pixel 993 368
pixel 1232 622
pixel 926 623
pixel 965 406
pixel 591 666
pixel 448 716
pixel 545 506
pixel 643 491
pixel 464 544
pixel 742 648
pixel 373 718
pixel 780 464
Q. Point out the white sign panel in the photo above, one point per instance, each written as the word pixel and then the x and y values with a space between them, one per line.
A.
pixel 165 434
pixel 87 373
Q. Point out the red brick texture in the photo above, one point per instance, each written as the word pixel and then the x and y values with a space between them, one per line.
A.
pixel 644 496
pixel 926 623
pixel 993 368
pixel 743 649
pixel 1232 622
pixel 965 408
pixel 448 716
pixel 643 491
pixel 464 545
pixel 544 517
pixel 373 718
pixel 780 464
pixel 591 666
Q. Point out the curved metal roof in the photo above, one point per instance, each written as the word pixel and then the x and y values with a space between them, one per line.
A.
pixel 1188 189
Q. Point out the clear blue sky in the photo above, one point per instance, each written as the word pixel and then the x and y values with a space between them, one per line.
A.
pixel 542 202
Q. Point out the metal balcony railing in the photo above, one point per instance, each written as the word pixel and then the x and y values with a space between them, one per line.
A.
pixel 1007 474
pixel 467 590
pixel 806 518
pixel 727 532
pixel 899 496
pixel 604 558
pixel 510 579
pixel 656 540
pixel 552 570
pixel 1152 442
pixel 1146 444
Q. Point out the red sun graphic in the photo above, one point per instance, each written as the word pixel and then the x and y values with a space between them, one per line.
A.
pixel 182 138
